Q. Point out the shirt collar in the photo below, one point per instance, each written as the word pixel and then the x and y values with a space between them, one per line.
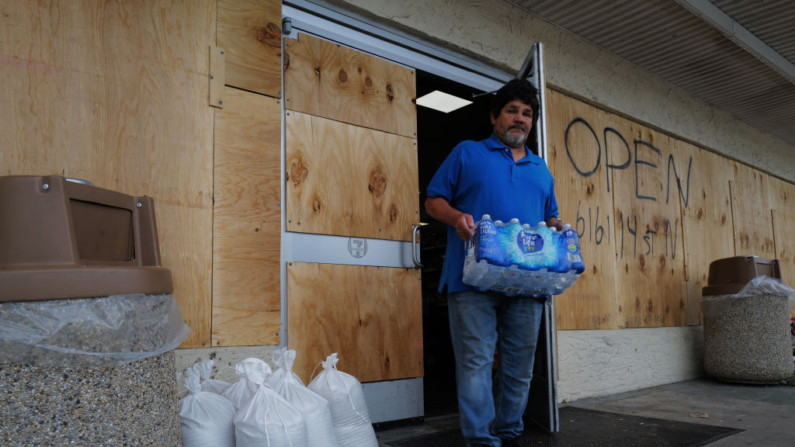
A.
pixel 494 143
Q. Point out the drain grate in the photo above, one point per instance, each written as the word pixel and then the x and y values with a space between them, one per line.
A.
pixel 589 428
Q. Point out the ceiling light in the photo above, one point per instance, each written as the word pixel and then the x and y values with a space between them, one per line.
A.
pixel 442 101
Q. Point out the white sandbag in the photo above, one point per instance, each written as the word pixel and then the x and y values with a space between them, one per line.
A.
pixel 252 372
pixel 276 377
pixel 314 409
pixel 206 419
pixel 351 421
pixel 268 420
pixel 205 368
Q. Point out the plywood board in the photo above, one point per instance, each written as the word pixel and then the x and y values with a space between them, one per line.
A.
pixel 708 231
pixel 324 79
pixel 247 221
pixel 371 316
pixel 217 76
pixel 582 186
pixel 349 181
pixel 250 33
pixel 753 229
pixel 116 93
pixel 782 203
pixel 648 222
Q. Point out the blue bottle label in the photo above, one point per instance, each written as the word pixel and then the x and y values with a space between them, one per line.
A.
pixel 486 245
pixel 570 256
pixel 530 242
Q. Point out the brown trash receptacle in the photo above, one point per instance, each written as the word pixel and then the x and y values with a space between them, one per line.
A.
pixel 86 354
pixel 746 337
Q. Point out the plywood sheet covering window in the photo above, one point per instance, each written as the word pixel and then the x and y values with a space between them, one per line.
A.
pixel 649 236
pixel 371 316
pixel 249 32
pixel 782 202
pixel 348 180
pixel 583 190
pixel 116 93
pixel 616 183
pixel 708 230
pixel 247 221
pixel 324 79
pixel 753 229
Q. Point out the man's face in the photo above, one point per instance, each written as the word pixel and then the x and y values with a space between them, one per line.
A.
pixel 513 124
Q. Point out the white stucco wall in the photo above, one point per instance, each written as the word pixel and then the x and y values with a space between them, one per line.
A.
pixel 600 363
pixel 503 34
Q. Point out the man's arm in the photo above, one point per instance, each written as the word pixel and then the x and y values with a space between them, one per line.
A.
pixel 440 209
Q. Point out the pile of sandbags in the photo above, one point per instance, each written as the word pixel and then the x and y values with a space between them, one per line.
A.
pixel 265 409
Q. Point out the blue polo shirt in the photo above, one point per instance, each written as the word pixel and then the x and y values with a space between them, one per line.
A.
pixel 481 177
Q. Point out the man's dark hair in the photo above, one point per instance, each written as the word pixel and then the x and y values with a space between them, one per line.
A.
pixel 520 89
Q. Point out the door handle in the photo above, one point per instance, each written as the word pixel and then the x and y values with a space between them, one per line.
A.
pixel 414 255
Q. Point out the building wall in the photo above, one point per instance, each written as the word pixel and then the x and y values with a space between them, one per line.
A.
pixel 502 34
pixel 146 128
pixel 590 362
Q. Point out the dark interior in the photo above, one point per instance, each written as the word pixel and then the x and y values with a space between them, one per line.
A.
pixel 438 133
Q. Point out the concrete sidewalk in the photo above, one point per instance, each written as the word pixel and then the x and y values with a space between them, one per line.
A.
pixel 766 413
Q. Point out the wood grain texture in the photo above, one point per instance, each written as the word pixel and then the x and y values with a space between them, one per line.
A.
pixel 648 222
pixel 782 204
pixel 708 231
pixel 247 221
pixel 324 79
pixel 753 230
pixel 250 33
pixel 371 316
pixel 591 302
pixel 116 93
pixel 349 181
pixel 217 76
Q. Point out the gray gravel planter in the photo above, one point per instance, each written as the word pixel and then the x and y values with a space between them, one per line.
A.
pixel 122 405
pixel 749 342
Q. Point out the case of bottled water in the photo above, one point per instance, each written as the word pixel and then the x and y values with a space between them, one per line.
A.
pixel 520 260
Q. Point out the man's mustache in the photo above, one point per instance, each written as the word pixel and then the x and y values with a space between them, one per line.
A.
pixel 517 127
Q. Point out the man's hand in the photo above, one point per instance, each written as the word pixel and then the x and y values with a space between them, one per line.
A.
pixel 440 209
pixel 555 222
pixel 464 226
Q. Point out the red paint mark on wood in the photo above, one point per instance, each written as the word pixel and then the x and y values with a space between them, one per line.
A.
pixel 27 65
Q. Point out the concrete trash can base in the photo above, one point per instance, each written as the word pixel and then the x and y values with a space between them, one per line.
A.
pixel 122 405
pixel 746 321
pixel 747 343
pixel 88 322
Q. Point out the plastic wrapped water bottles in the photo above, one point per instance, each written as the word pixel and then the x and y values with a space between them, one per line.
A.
pixel 517 259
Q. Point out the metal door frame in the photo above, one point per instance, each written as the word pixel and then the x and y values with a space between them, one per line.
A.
pixel 347 30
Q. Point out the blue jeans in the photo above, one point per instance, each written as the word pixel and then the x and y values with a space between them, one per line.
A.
pixel 479 323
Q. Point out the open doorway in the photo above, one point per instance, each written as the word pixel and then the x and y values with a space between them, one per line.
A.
pixel 437 134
